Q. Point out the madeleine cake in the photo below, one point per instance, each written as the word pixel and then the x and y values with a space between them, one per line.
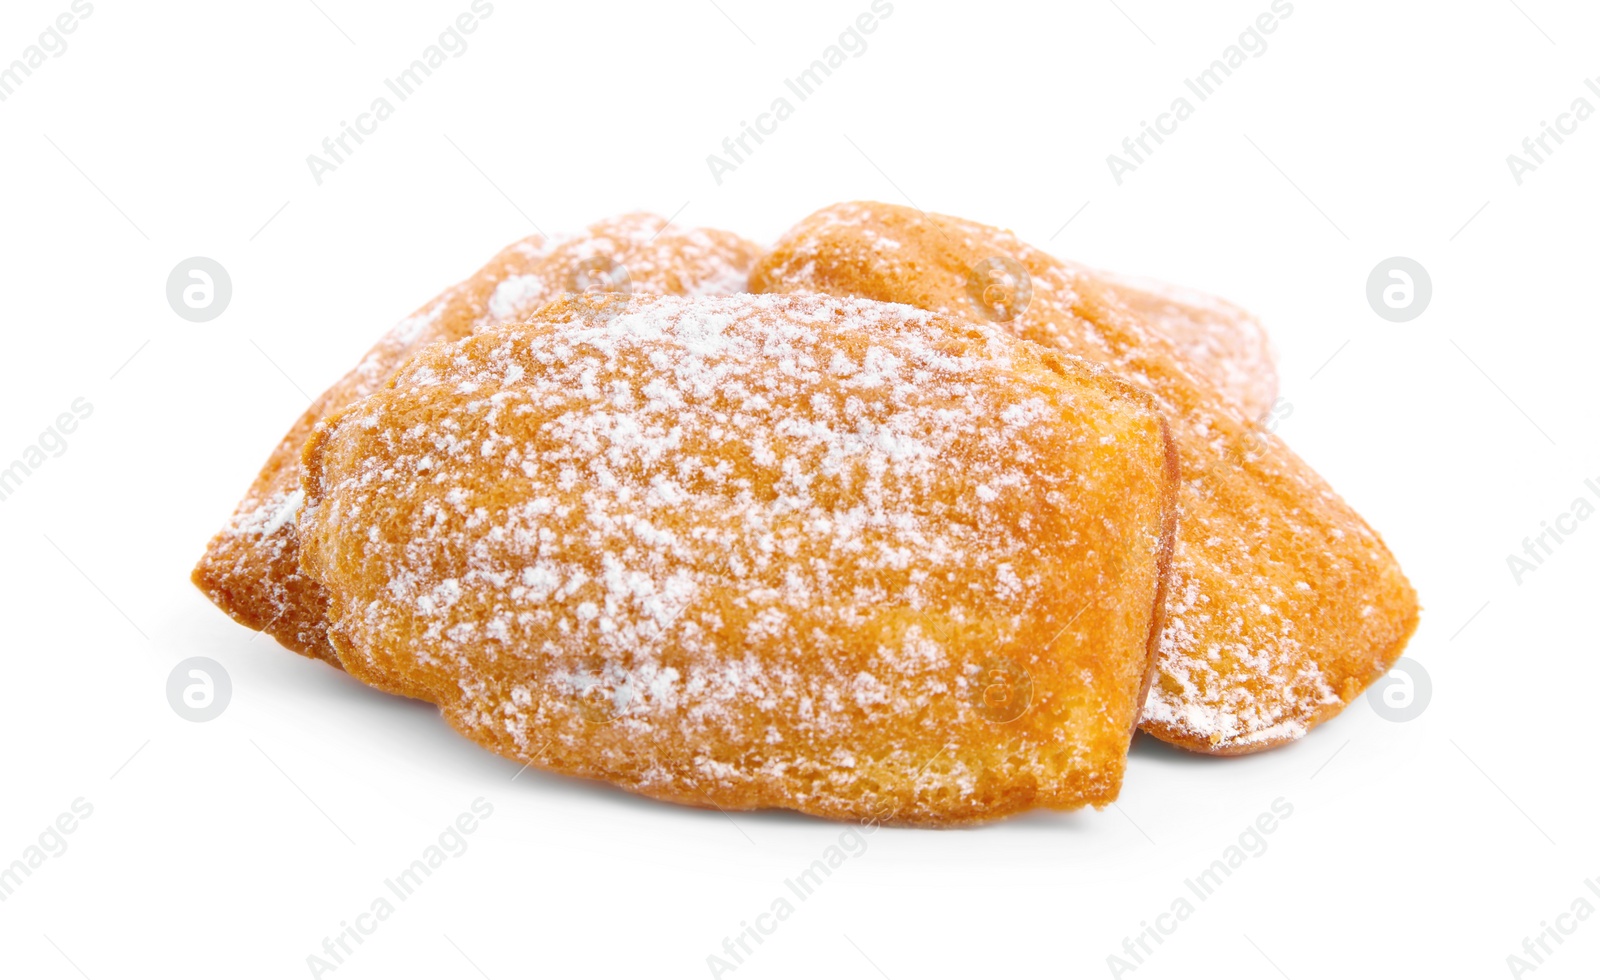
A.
pixel 844 557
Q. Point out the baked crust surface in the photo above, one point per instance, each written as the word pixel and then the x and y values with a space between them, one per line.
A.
pixel 848 558
pixel 1228 343
pixel 1284 604
pixel 251 568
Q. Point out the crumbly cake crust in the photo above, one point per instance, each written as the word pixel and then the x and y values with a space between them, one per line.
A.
pixel 251 567
pixel 1285 605
pixel 849 558
pixel 1227 341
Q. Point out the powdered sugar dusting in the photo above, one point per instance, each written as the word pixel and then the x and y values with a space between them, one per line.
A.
pixel 1267 633
pixel 515 295
pixel 253 573
pixel 688 516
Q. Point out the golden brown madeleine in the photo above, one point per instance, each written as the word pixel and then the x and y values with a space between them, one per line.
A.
pixel 1224 347
pixel 251 568
pixel 1284 604
pixel 1228 343
pixel 843 557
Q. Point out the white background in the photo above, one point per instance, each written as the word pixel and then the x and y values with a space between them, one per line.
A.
pixel 232 848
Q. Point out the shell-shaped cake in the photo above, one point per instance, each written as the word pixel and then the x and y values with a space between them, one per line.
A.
pixel 838 556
